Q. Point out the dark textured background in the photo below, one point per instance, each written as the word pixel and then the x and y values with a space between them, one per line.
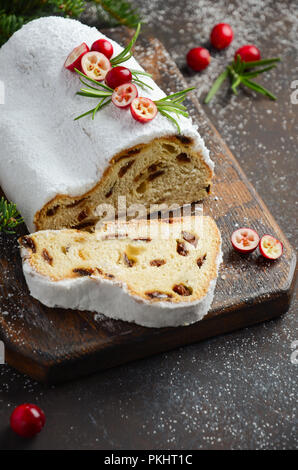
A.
pixel 233 392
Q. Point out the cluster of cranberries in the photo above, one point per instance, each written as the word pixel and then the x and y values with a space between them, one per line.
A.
pixel 95 64
pixel 246 240
pixel 221 37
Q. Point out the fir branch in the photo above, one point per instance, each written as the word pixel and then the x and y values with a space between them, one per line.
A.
pixel 121 11
pixel 9 23
pixel 9 216
pixel 15 13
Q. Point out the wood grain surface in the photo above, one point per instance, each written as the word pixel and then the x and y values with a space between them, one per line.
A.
pixel 54 345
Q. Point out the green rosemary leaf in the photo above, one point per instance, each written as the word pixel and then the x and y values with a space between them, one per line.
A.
pixel 178 94
pixel 172 110
pixel 87 84
pixel 168 116
pixel 248 65
pixel 258 88
pixel 126 53
pixel 85 114
pixel 257 72
pixel 140 72
pixel 100 84
pixel 141 83
pixel 121 60
pixel 89 95
pixel 237 65
pixel 91 111
pixel 97 108
pixel 216 85
pixel 171 104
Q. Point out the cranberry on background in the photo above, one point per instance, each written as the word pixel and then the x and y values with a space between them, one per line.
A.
pixel 248 53
pixel 270 247
pixel 221 36
pixel 118 76
pixel 27 420
pixel 245 240
pixel 198 58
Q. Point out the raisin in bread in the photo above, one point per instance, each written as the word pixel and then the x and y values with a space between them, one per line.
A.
pixel 58 170
pixel 159 273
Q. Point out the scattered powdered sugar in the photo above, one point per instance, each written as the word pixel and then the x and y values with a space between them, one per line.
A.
pixel 237 391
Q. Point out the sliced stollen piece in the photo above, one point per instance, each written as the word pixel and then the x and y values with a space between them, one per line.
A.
pixel 58 170
pixel 155 273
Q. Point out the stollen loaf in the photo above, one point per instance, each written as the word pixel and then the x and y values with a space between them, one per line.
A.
pixel 58 170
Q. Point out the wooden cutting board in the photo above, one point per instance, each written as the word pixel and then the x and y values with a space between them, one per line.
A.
pixel 54 345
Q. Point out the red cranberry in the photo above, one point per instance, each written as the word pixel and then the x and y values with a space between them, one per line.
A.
pixel 27 420
pixel 221 36
pixel 104 46
pixel 248 53
pixel 198 58
pixel 118 76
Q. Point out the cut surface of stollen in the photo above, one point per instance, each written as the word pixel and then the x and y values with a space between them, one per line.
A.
pixel 155 273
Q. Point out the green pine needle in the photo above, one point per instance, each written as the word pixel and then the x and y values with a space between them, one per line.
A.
pixel 9 216
pixel 119 11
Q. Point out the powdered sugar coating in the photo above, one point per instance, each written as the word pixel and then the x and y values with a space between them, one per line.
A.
pixel 43 151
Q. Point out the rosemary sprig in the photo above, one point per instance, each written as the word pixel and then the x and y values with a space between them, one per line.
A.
pixel 172 104
pixel 238 74
pixel 101 90
pixel 138 81
pixel 9 216
pixel 126 54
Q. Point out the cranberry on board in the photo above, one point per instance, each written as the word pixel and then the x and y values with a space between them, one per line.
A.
pixel 143 109
pixel 27 420
pixel 270 247
pixel 248 53
pixel 198 58
pixel 221 36
pixel 245 240
pixel 73 61
pixel 118 76
pixel 124 94
pixel 104 46
pixel 95 65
